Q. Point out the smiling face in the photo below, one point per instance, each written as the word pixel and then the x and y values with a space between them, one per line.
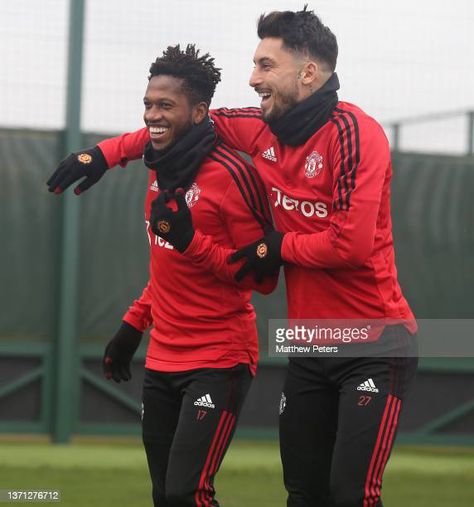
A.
pixel 282 78
pixel 168 112
pixel 275 78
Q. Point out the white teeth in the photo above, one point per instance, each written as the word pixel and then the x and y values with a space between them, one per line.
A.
pixel 264 95
pixel 158 130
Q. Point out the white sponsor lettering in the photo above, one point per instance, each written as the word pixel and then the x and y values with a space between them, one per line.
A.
pixel 288 203
pixel 306 208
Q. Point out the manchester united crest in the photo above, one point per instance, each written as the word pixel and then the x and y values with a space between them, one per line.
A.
pixel 84 158
pixel 192 195
pixel 164 226
pixel 313 165
pixel 262 250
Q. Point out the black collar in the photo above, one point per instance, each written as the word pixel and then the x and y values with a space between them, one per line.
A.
pixel 177 166
pixel 298 124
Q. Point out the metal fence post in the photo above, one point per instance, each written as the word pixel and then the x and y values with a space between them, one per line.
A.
pixel 470 132
pixel 396 136
pixel 66 371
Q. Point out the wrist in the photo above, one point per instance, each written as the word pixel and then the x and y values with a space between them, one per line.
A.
pixel 275 242
pixel 130 328
pixel 98 158
pixel 277 238
pixel 285 247
pixel 185 240
pixel 194 247
pixel 127 335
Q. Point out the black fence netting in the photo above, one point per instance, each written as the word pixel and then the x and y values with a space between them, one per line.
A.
pixel 29 228
pixel 433 228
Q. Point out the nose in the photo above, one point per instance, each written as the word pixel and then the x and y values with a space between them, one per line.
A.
pixel 152 114
pixel 255 78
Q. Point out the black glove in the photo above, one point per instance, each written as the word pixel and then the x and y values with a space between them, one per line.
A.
pixel 262 257
pixel 90 164
pixel 176 227
pixel 119 352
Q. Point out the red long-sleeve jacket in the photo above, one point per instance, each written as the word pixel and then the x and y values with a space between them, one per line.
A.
pixel 331 196
pixel 201 317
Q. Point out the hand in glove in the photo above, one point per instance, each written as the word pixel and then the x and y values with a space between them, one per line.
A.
pixel 89 164
pixel 263 257
pixel 176 227
pixel 119 353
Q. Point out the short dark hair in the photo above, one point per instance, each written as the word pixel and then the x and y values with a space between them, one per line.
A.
pixel 301 31
pixel 199 74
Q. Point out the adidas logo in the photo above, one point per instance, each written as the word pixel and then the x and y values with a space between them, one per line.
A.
pixel 270 154
pixel 204 401
pixel 368 385
pixel 154 186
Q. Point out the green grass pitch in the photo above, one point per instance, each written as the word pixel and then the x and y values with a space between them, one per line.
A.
pixel 115 474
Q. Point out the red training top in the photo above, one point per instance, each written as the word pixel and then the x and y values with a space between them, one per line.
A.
pixel 201 316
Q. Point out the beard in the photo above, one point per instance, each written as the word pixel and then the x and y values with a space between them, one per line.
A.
pixel 283 101
pixel 179 133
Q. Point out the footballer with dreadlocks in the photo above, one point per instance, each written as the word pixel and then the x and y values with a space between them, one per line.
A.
pixel 203 345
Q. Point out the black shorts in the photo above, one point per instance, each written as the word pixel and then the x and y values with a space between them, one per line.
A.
pixel 188 422
pixel 338 421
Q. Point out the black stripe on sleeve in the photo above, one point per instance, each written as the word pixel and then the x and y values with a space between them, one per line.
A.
pixel 349 169
pixel 350 162
pixel 357 146
pixel 232 167
pixel 246 112
pixel 342 177
pixel 250 172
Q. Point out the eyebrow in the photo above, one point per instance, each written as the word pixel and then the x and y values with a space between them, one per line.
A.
pixel 161 99
pixel 264 59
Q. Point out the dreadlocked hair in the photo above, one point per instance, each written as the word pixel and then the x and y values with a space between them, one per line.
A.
pixel 198 72
pixel 301 31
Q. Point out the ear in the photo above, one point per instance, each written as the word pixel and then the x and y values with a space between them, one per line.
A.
pixel 199 112
pixel 309 74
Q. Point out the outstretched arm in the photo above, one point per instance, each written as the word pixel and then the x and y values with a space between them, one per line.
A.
pixel 239 128
pixel 89 165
